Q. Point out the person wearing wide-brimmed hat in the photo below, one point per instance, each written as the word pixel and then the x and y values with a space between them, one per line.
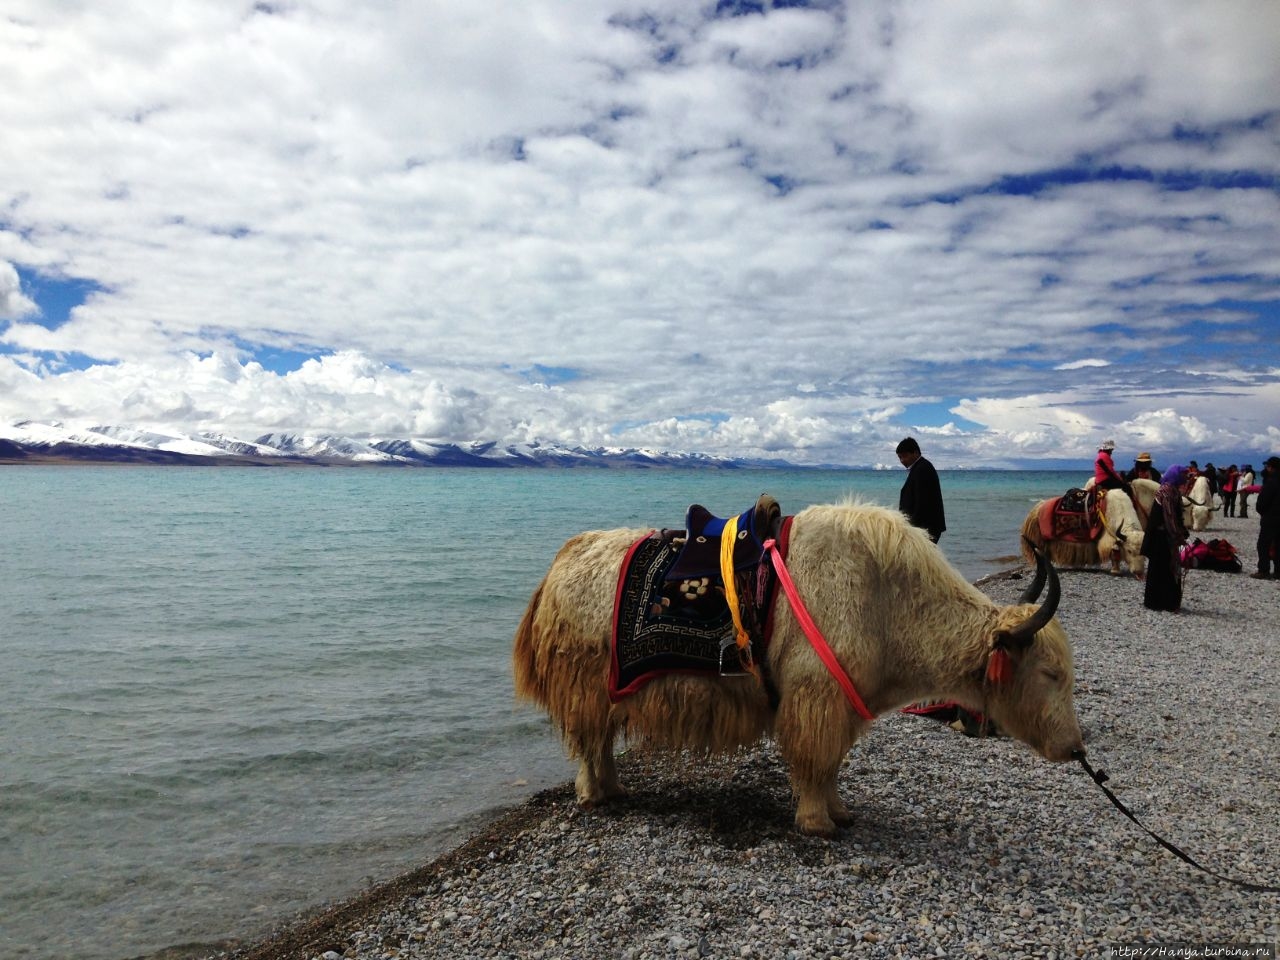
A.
pixel 1143 469
pixel 1267 507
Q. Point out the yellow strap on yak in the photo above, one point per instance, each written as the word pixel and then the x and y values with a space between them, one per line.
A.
pixel 729 537
pixel 1101 502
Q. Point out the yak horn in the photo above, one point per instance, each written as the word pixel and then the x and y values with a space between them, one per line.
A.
pixel 1023 633
pixel 1120 537
pixel 1032 593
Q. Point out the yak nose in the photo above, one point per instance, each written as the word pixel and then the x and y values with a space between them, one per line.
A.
pixel 1078 753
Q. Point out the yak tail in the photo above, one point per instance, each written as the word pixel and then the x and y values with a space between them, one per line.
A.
pixel 529 680
pixel 1031 534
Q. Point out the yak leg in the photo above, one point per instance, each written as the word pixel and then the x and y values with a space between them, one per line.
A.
pixel 813 739
pixel 815 790
pixel 597 780
pixel 1109 549
pixel 840 814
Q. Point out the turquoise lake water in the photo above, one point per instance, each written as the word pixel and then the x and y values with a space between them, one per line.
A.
pixel 230 694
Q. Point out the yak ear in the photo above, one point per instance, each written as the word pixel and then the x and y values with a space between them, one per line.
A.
pixel 1000 665
pixel 1012 641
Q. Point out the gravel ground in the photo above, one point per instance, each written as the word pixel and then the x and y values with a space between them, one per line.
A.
pixel 962 847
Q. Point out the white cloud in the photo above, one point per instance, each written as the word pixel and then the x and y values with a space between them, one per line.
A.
pixel 13 302
pixel 729 254
pixel 1081 364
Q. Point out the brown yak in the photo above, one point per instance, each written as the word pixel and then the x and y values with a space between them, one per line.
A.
pixel 904 624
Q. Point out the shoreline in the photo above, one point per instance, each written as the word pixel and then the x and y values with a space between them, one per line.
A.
pixel 968 846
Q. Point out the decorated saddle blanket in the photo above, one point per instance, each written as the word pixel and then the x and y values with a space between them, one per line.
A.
pixel 1073 517
pixel 672 611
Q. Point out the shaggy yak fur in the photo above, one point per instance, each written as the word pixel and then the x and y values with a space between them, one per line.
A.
pixel 1121 518
pixel 902 621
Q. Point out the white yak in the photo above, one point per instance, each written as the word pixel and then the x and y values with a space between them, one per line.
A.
pixel 904 625
pixel 1197 505
pixel 1121 537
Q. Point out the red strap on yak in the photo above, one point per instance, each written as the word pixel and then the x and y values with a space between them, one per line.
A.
pixel 820 645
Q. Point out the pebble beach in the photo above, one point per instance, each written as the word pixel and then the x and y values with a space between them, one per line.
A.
pixel 962 846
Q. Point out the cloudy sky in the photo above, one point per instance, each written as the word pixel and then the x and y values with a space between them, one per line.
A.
pixel 791 229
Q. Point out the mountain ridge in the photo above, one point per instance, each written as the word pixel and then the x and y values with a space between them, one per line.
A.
pixel 28 441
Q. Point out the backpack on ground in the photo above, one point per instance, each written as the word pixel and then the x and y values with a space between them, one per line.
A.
pixel 1217 555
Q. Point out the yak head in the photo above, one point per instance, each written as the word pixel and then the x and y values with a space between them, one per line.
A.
pixel 1030 676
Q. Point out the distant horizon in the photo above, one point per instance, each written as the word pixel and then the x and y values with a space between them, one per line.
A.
pixel 160 448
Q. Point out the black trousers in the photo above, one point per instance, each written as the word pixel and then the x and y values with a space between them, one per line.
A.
pixel 1269 548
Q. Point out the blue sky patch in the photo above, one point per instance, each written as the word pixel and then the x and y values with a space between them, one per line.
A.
pixel 1040 181
pixel 60 362
pixel 738 8
pixel 551 376
pixel 781 183
pixel 279 360
pixel 1244 343
pixel 56 296
pixel 937 414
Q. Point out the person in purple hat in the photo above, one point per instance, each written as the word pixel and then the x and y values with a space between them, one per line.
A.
pixel 1166 532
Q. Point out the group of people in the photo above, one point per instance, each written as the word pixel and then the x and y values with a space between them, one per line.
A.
pixel 1166 529
pixel 1231 485
pixel 921 500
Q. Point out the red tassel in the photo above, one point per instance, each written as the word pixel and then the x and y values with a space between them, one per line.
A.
pixel 999 667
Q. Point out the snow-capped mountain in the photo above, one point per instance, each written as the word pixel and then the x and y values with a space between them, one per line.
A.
pixel 28 440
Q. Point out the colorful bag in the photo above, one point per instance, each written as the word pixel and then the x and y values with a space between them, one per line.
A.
pixel 1217 555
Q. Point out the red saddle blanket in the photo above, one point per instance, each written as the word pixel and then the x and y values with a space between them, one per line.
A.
pixel 1072 517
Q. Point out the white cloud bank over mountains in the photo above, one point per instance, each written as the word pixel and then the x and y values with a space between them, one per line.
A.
pixel 800 230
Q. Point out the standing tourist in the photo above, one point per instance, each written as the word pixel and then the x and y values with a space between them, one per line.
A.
pixel 1267 507
pixel 1242 493
pixel 1229 491
pixel 1210 473
pixel 1166 532
pixel 921 496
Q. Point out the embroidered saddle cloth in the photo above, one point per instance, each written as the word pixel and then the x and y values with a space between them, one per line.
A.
pixel 671 612
pixel 1073 517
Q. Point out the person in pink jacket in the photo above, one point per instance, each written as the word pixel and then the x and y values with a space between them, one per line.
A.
pixel 1104 469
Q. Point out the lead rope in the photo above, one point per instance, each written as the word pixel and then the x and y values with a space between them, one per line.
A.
pixel 1100 778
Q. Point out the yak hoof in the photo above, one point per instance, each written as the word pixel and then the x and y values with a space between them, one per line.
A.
pixel 601 798
pixel 823 827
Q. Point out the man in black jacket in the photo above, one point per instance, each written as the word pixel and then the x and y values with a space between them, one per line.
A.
pixel 921 496
pixel 1268 509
